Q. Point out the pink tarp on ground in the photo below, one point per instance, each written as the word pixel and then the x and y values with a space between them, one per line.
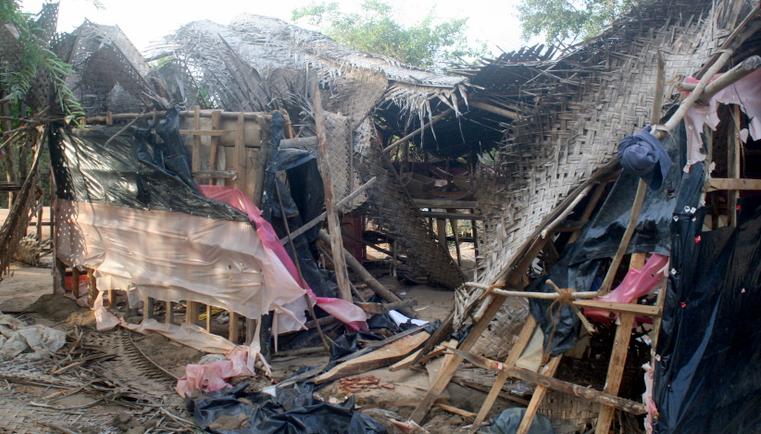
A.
pixel 636 283
pixel 348 313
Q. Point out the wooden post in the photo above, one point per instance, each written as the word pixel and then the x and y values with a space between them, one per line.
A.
pixel 168 312
pixel 148 304
pixel 733 164
pixel 234 328
pixel 216 115
pixel 240 151
pixel 449 368
pixel 334 223
pixel 538 396
pixel 515 352
pixel 39 221
pixel 615 369
pixel 208 318
pixel 196 142
pixel 456 235
pixel 191 312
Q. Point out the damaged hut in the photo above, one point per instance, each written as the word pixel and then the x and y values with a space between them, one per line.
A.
pixel 219 190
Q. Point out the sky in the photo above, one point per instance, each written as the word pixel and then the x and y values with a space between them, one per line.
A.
pixel 493 22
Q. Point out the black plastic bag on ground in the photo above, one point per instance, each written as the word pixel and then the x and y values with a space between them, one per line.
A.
pixel 509 420
pixel 293 411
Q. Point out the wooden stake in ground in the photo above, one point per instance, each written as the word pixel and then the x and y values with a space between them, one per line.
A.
pixel 334 224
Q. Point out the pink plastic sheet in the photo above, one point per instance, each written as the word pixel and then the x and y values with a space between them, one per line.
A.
pixel 213 376
pixel 636 284
pixel 346 312
pixel 175 256
pixel 746 93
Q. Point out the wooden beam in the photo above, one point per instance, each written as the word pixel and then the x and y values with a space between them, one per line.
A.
pixel 445 203
pixel 615 370
pixel 214 145
pixel 195 155
pixel 240 152
pixel 587 393
pixel 491 108
pixel 379 358
pixel 524 337
pixel 197 133
pixel 417 131
pixel 633 308
pixel 343 202
pixel 450 215
pixel 733 184
pixel 233 331
pixel 537 397
pixel 334 223
pixel 450 366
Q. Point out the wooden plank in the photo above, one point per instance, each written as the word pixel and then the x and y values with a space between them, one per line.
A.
pixel 250 330
pixel 168 312
pixel 637 309
pixel 454 226
pixel 334 223
pixel 450 215
pixel 240 152
pixel 214 144
pixel 615 369
pixel 538 396
pixel 734 150
pixel 196 143
pixel 441 233
pixel 454 410
pixel 215 174
pixel 733 184
pixel 208 318
pixel 147 308
pixel 191 312
pixel 579 391
pixel 197 133
pixel 379 358
pixel 449 368
pixel 524 337
pixel 445 203
pixel 491 108
pixel 417 131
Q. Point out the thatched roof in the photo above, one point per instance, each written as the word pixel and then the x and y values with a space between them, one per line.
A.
pixel 277 56
pixel 574 110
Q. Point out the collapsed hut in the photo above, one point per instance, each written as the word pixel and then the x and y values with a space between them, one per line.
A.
pixel 234 145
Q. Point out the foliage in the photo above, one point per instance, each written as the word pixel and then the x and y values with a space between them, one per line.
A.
pixel 428 43
pixel 33 60
pixel 569 20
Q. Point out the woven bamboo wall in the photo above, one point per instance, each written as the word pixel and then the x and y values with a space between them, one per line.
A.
pixel 571 135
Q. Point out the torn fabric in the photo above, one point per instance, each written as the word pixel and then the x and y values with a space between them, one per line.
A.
pixel 746 93
pixel 346 312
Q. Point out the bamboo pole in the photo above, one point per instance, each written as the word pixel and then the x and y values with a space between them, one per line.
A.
pixel 334 223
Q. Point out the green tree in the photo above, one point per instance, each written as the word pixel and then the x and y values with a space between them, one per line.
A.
pixel 428 43
pixel 28 57
pixel 569 20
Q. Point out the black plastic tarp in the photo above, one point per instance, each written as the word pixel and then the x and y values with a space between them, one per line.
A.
pixel 707 377
pixel 601 236
pixel 293 411
pixel 130 168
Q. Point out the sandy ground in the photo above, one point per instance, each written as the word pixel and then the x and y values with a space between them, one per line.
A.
pixel 23 286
